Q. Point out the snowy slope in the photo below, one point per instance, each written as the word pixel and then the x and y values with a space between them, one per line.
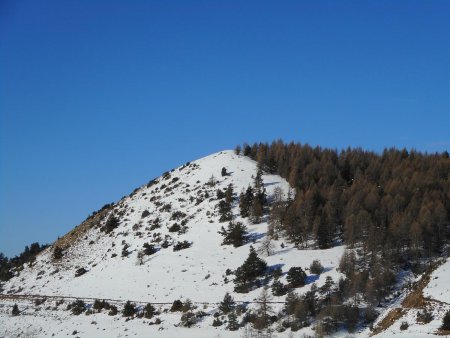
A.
pixel 439 286
pixel 196 273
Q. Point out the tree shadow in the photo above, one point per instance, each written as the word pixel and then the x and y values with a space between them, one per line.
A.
pixel 270 184
pixel 311 279
pixel 254 236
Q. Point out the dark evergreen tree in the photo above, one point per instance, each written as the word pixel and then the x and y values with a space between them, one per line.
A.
pixel 227 305
pixel 111 224
pixel 225 211
pixel 446 321
pixel 233 324
pixel 129 309
pixel 249 271
pixel 279 289
pixel 296 277
pixel 246 202
pixel 149 311
pixel 235 234
pixel 57 253
pixel 224 171
pixel 229 194
pixel 15 310
pixel 149 249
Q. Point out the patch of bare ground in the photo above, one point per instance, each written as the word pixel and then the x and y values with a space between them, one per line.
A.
pixel 392 316
pixel 414 300
pixel 79 231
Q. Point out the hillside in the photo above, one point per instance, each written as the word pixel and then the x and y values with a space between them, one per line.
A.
pixel 102 259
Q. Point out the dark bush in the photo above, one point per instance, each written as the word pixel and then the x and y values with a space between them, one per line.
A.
pixel 129 309
pixel 145 213
pixel 316 267
pixel 446 321
pixel 177 305
pixel 181 245
pixel 77 307
pixel 15 310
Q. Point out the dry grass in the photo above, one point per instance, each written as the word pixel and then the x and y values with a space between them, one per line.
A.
pixel 386 322
pixel 80 230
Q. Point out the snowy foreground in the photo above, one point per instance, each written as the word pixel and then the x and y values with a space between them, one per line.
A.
pixel 197 273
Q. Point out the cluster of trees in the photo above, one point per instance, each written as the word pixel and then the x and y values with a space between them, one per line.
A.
pixel 391 209
pixel 28 255
pixel 253 201
pixel 396 202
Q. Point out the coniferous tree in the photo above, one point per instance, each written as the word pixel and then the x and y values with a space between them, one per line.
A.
pixel 225 211
pixel 227 305
pixel 446 321
pixel 129 309
pixel 15 310
pixel 233 324
pixel 249 271
pixel 245 202
pixel 235 234
pixel 296 277
pixel 149 311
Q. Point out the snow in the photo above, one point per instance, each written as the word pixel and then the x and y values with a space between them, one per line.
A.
pixel 439 286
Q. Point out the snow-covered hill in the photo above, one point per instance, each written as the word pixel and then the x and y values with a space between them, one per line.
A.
pixel 185 196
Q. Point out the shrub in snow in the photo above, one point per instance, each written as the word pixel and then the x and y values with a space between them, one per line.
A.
pixel 129 309
pixel 113 310
pixel 279 289
pixel 446 321
pixel 181 245
pixel 77 307
pixel 149 311
pixel 15 310
pixel 110 224
pixel 227 304
pixel 177 305
pixel 424 316
pixel 296 277
pixel 316 267
pixel 57 253
pixel 404 326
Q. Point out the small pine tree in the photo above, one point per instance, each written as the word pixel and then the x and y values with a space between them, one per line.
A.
pixel 177 305
pixel 57 253
pixel 235 234
pixel 15 310
pixel 316 267
pixel 245 202
pixel 233 324
pixel 278 288
pixel 225 211
pixel 249 271
pixel 224 171
pixel 296 277
pixel 228 304
pixel 149 311
pixel 129 309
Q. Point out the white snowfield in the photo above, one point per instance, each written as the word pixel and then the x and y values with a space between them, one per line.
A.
pixel 439 286
pixel 197 273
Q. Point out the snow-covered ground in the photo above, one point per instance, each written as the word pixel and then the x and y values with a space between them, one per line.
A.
pixel 196 273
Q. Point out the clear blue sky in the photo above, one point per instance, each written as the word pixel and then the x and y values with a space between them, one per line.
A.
pixel 97 97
